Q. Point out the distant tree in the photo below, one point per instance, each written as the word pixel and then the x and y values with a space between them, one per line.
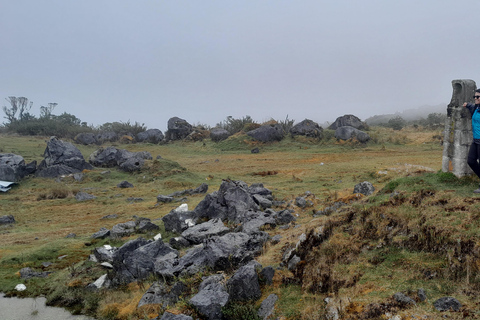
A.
pixel 19 106
pixel 397 123
pixel 233 125
pixel 46 112
pixel 436 119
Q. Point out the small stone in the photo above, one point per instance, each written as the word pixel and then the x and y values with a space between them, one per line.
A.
pixel 447 303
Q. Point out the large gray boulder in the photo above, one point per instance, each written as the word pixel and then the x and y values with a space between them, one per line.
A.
pixel 244 284
pixel 211 297
pixel 7 219
pixel 106 136
pixel 348 120
pixel 85 138
pixel 160 293
pixel 219 134
pixel 267 133
pixel 12 167
pixel 307 128
pixel 202 231
pixel 110 157
pixel 177 129
pixel 347 132
pixel 365 188
pixel 139 259
pixel 150 135
pixel 61 158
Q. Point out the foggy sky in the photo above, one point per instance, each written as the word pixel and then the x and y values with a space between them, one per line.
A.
pixel 147 61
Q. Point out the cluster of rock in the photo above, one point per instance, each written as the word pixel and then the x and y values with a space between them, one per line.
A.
pixel 348 127
pixel 223 233
pixel 111 157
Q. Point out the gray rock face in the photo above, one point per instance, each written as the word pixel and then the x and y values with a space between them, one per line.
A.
pixel 244 284
pixel 177 129
pixel 123 229
pixel 210 299
pixel 200 232
pixel 266 275
pixel 348 120
pixel 85 138
pixel 447 303
pixel 267 133
pixel 178 221
pixel 347 132
pixel 307 128
pixel 364 187
pixel 101 234
pixel 61 158
pixel 8 219
pixel 12 167
pixel 267 307
pixel 160 293
pixel 112 157
pixel 403 299
pixel 28 273
pixel 137 259
pixel 219 134
pixel 170 316
pixel 106 136
pixel 83 196
pixel 125 184
pixel 150 135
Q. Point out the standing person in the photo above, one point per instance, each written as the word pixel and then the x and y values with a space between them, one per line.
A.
pixel 474 152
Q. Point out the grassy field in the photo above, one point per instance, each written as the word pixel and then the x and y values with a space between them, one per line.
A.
pixel 420 229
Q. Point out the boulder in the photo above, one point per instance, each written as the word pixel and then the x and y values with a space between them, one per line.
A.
pixel 171 316
pixel 267 307
pixel 307 128
pixel 347 132
pixel 244 284
pixel 267 133
pixel 106 136
pixel 12 167
pixel 348 120
pixel 202 231
pixel 364 187
pixel 101 234
pixel 150 135
pixel 124 184
pixel 160 293
pixel 8 219
pixel 138 259
pixel 211 297
pixel 266 275
pixel 403 299
pixel 178 220
pixel 447 304
pixel 110 157
pixel 85 138
pixel 83 196
pixel 177 129
pixel 104 253
pixel 61 158
pixel 203 188
pixel 28 273
pixel 123 229
pixel 219 134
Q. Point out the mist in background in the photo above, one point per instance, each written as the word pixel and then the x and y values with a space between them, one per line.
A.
pixel 147 61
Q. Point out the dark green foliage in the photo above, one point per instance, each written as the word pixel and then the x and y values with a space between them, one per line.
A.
pixel 233 125
pixel 396 123
pixel 123 128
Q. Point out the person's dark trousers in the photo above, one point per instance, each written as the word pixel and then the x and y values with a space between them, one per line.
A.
pixel 473 156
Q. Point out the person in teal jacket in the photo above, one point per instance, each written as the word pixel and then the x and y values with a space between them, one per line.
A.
pixel 474 152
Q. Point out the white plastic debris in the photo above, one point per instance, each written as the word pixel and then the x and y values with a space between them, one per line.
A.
pixel 157 237
pixel 20 287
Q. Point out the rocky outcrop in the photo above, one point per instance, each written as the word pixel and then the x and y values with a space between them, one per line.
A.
pixel 267 133
pixel 177 129
pixel 307 128
pixel 348 120
pixel 110 157
pixel 61 158
pixel 151 135
pixel 13 167
pixel 85 138
pixel 347 132
pixel 219 134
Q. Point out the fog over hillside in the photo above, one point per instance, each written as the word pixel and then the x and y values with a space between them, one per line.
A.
pixel 409 114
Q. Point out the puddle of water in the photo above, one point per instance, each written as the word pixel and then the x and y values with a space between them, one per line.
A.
pixel 33 309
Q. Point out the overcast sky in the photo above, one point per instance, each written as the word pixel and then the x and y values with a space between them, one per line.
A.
pixel 147 61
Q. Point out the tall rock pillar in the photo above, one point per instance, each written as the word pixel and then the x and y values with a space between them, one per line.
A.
pixel 458 129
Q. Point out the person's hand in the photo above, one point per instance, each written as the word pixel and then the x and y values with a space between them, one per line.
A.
pixel 464 104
